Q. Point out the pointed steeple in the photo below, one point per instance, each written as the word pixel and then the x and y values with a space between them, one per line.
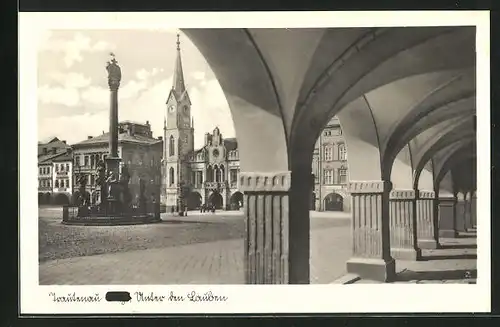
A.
pixel 178 83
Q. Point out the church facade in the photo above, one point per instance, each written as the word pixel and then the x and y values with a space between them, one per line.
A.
pixel 209 175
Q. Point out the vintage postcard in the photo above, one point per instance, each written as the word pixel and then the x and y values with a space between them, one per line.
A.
pixel 254 162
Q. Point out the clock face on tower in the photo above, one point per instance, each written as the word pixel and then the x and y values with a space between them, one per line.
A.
pixel 215 153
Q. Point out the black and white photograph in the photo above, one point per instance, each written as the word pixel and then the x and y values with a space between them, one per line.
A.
pixel 334 156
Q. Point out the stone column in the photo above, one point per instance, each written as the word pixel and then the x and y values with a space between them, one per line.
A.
pixel 427 221
pixel 371 231
pixel 403 225
pixel 473 208
pixel 467 212
pixel 275 245
pixel 460 213
pixel 447 221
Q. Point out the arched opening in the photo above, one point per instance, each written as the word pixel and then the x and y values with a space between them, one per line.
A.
pixel 40 199
pixel 334 202
pixel 216 200
pixel 171 176
pixel 217 174
pixel 171 146
pixel 194 201
pixel 210 174
pixel 222 172
pixel 46 198
pixel 236 201
pixel 61 199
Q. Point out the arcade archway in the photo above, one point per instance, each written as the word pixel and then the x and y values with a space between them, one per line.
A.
pixel 194 201
pixel 61 199
pixel 236 201
pixel 334 202
pixel 216 200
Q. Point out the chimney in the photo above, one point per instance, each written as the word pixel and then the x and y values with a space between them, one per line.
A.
pixel 89 137
pixel 160 138
pixel 64 141
pixel 147 122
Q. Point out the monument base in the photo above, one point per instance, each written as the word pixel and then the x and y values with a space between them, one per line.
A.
pixel 374 269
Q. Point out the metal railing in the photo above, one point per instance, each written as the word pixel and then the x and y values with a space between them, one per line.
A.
pixel 84 214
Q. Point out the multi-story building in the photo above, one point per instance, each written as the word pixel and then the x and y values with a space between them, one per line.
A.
pixel 54 168
pixel 330 170
pixel 137 148
pixel 210 175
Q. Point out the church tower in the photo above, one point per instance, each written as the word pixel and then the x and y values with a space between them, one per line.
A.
pixel 178 137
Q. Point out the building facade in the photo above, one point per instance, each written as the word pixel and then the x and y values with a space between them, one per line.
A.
pixel 330 171
pixel 54 172
pixel 209 176
pixel 137 148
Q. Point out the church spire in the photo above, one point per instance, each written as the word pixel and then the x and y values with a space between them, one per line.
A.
pixel 178 82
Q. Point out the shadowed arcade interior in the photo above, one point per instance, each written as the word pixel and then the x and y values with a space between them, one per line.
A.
pixel 405 98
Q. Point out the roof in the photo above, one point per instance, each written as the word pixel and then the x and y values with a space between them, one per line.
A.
pixel 64 157
pixel 49 158
pixel 54 143
pixel 122 137
pixel 231 144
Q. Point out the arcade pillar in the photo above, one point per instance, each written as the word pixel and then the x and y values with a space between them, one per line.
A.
pixel 403 225
pixel 371 231
pixel 447 220
pixel 427 222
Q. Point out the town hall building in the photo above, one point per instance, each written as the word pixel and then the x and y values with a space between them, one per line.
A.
pixel 209 175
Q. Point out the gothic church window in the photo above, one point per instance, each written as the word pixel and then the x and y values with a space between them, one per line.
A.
pixel 171 146
pixel 171 176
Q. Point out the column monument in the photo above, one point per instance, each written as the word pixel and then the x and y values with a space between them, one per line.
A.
pixel 112 160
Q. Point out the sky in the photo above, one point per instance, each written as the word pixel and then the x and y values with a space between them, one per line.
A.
pixel 73 95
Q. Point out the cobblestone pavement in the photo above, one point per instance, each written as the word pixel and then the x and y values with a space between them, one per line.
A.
pixel 455 262
pixel 198 249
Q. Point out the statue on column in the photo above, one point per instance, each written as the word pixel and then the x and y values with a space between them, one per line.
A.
pixel 101 180
pixel 82 183
pixel 114 72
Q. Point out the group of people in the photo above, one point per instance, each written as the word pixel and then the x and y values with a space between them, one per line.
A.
pixel 207 208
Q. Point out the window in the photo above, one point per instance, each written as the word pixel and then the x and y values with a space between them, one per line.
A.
pixel 233 176
pixel 171 146
pixel 57 183
pixel 66 183
pixel 67 167
pixel 77 160
pixel 86 160
pixel 342 176
pixel 342 152
pixel 41 170
pixel 222 174
pixel 327 133
pixel 328 176
pixel 57 167
pixel 92 179
pixel 200 177
pixel 328 153
pixel 49 183
pixel 171 175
